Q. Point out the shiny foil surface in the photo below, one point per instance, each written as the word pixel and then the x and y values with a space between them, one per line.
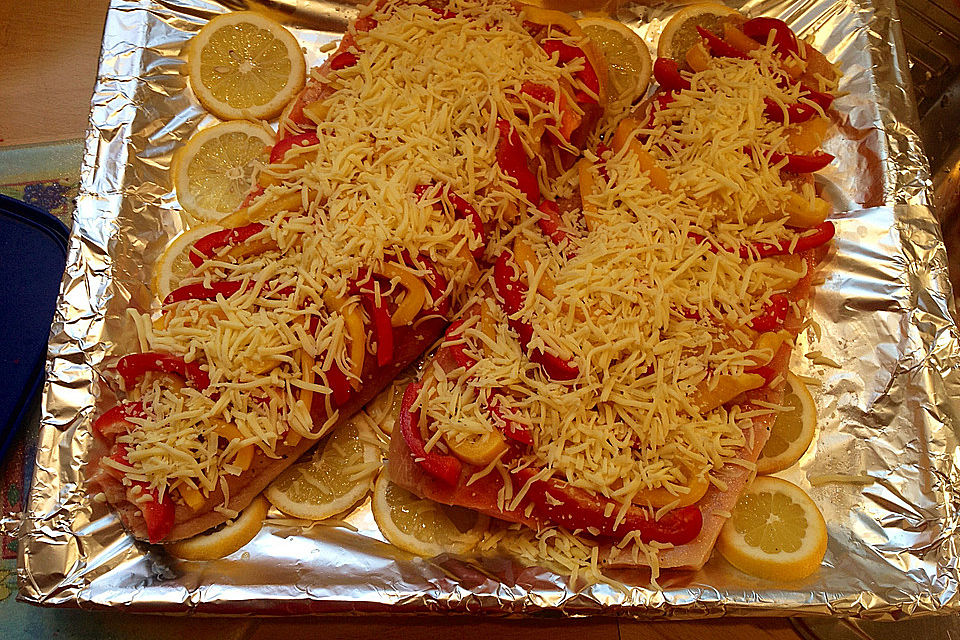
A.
pixel 889 410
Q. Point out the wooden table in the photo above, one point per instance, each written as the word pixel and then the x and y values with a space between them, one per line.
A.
pixel 49 51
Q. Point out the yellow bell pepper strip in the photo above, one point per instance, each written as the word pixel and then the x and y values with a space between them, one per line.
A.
pixel 727 387
pixel 413 300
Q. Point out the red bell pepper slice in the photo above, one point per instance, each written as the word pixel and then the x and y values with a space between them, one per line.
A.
pixel 512 294
pixel 667 74
pixel 550 222
pixel 379 313
pixel 253 195
pixel 798 111
pixel 538 92
pixel 769 373
pixel 366 23
pixel 461 210
pixel 445 468
pixel 822 234
pixel 343 60
pixel 802 163
pixel 588 76
pixel 576 509
pixel 159 516
pixel 773 314
pixel 208 245
pixel 134 366
pixel 200 291
pixel 444 14
pixel 509 427
pixel 512 160
pixel 339 385
pixel 115 421
pixel 720 47
pixel 279 151
pixel 784 40
pixel 458 349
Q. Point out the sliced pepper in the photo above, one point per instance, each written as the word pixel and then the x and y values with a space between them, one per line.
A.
pixel 576 509
pixel 200 291
pixel 444 468
pixel 512 160
pixel 159 516
pixel 134 366
pixel 822 234
pixel 461 210
pixel 280 149
pixel 343 60
pixel 509 427
pixel 550 222
pixel 382 325
pixel 784 40
pixel 719 47
pixel 667 73
pixel 798 111
pixel 115 421
pixel 801 163
pixel 512 294
pixel 458 349
pixel 208 245
pixel 773 314
pixel 587 75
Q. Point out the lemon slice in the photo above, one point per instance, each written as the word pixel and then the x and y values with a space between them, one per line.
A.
pixel 338 476
pixel 424 527
pixel 213 172
pixel 385 407
pixel 245 65
pixel 174 262
pixel 226 539
pixel 627 56
pixel 776 532
pixel 793 430
pixel 680 32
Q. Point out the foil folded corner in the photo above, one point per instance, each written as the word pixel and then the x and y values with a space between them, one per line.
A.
pixel 888 411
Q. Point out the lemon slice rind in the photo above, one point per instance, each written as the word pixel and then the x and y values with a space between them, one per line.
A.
pixel 794 439
pixel 225 540
pixel 679 33
pixel 299 490
pixel 235 64
pixel 432 533
pixel 768 512
pixel 628 58
pixel 214 170
pixel 173 262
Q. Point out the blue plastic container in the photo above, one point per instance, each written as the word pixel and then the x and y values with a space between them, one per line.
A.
pixel 33 254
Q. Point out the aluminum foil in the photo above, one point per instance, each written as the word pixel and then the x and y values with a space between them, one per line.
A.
pixel 888 410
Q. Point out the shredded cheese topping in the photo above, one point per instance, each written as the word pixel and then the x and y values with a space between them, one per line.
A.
pixel 418 107
pixel 652 302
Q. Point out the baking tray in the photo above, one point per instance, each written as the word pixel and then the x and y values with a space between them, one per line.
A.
pixel 888 411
